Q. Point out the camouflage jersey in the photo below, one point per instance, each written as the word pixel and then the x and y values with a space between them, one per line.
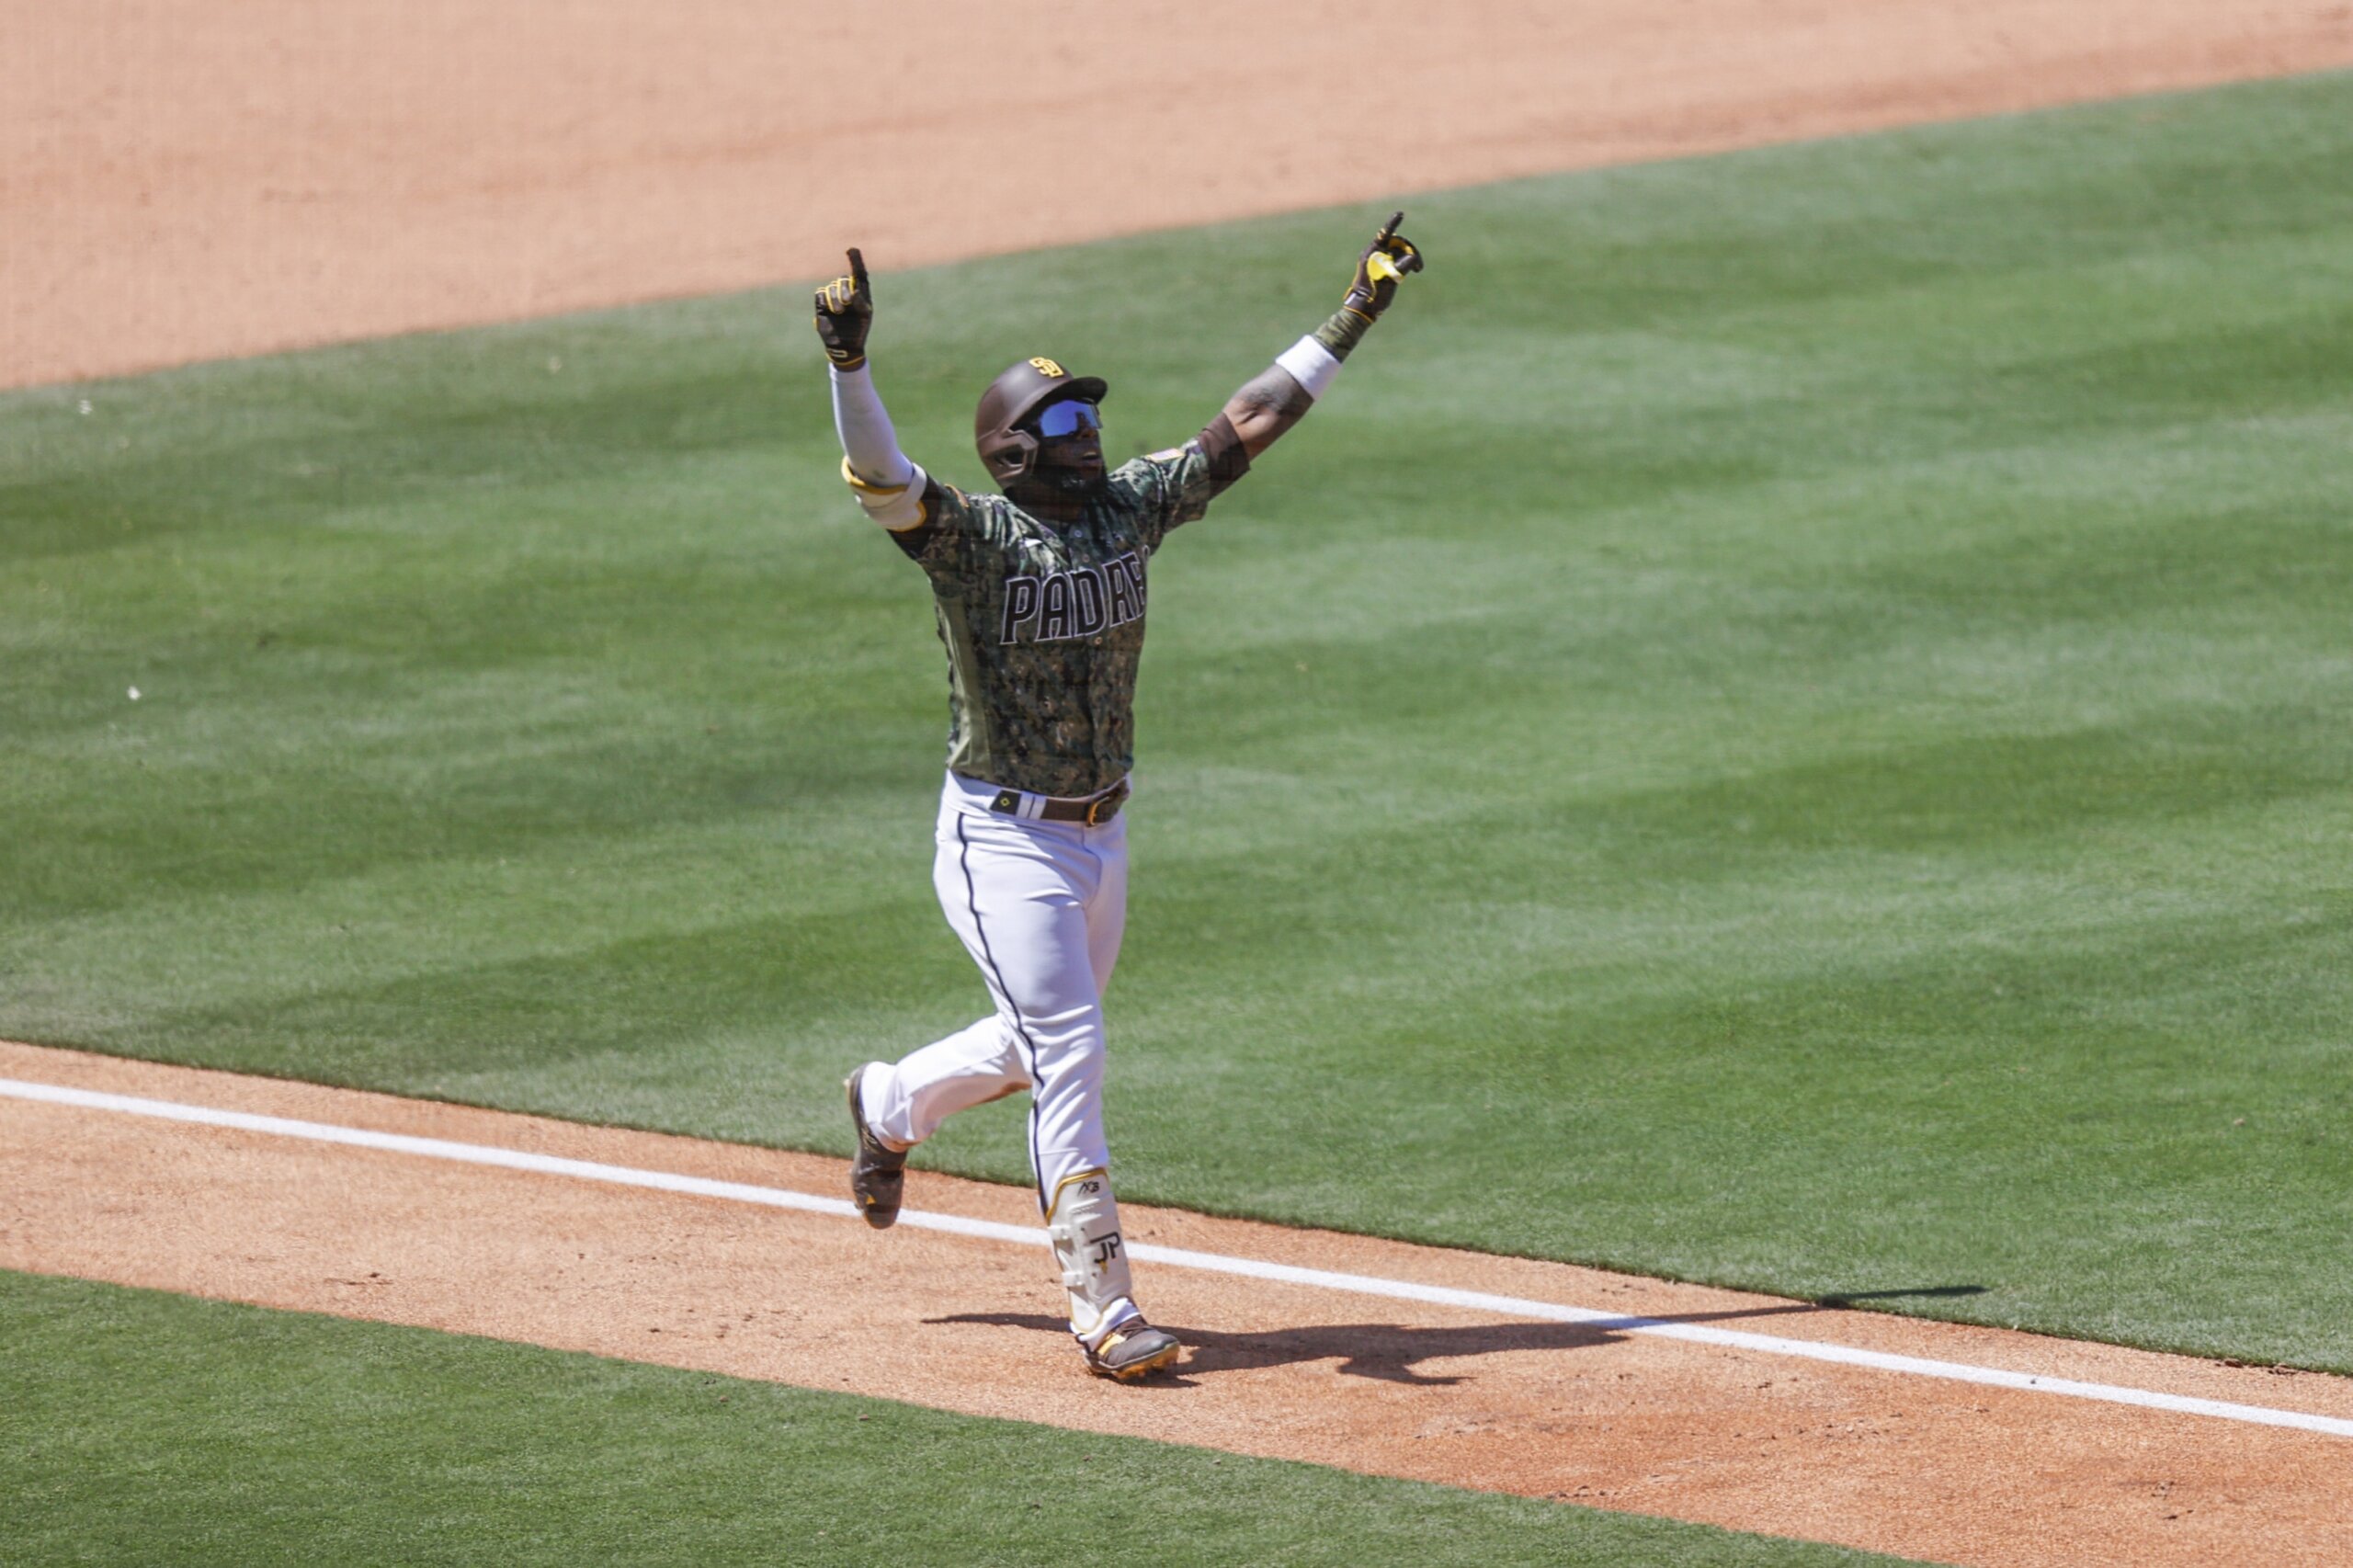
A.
pixel 1044 624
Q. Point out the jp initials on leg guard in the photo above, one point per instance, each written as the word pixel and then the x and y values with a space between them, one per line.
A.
pixel 1084 1223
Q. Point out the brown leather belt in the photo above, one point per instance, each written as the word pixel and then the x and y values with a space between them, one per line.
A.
pixel 1094 810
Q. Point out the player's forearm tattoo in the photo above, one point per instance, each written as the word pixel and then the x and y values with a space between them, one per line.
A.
pixel 1273 393
pixel 1268 404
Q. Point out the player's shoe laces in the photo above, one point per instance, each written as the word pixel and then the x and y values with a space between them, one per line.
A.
pixel 1133 1350
pixel 878 1175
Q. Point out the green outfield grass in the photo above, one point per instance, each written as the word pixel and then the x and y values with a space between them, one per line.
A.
pixel 140 1427
pixel 1785 723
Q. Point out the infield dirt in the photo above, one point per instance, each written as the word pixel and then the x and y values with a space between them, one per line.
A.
pixel 1948 1471
pixel 183 182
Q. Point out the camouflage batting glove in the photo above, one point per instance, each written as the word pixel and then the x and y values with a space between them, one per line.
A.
pixel 845 312
pixel 1387 259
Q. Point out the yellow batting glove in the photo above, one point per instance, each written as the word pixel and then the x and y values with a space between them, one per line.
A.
pixel 1384 263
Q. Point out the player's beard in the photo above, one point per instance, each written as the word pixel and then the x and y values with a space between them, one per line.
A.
pixel 1058 493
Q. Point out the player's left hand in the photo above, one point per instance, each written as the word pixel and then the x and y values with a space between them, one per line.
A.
pixel 1384 262
pixel 845 312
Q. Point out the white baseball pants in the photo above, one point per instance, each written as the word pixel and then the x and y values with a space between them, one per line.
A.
pixel 1041 906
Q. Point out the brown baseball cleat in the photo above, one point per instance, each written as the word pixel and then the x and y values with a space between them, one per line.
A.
pixel 878 1174
pixel 1135 1349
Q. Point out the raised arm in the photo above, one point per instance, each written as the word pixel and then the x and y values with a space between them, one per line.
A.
pixel 886 484
pixel 1280 397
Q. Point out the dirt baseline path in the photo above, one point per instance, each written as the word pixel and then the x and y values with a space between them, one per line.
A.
pixel 184 181
pixel 1582 1412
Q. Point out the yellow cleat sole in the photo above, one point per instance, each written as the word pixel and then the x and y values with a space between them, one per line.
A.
pixel 1141 1370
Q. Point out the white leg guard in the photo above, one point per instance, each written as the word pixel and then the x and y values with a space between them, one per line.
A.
pixel 1084 1224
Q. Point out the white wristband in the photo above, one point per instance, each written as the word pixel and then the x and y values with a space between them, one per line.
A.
pixel 1310 364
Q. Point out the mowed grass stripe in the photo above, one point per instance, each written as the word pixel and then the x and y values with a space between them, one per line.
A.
pixel 1783 726
pixel 146 1426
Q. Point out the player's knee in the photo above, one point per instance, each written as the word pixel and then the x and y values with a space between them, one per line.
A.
pixel 1070 1052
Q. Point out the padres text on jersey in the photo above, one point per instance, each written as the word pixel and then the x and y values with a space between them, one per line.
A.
pixel 1076 603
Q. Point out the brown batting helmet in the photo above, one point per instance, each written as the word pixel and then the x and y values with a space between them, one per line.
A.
pixel 1012 399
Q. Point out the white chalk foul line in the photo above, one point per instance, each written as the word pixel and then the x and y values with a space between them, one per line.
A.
pixel 1181 1258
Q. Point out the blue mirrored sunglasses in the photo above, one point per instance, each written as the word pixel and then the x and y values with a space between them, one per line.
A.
pixel 1068 417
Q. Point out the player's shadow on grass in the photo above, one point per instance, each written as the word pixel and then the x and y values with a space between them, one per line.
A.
pixel 1393 1352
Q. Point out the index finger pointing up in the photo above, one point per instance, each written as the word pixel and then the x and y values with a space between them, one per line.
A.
pixel 857 270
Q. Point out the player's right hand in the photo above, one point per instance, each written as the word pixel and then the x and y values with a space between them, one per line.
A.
pixel 1388 258
pixel 845 312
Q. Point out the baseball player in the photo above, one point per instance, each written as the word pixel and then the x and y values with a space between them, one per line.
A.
pixel 1040 594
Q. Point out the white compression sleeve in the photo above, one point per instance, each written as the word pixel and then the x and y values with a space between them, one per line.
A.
pixel 868 440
